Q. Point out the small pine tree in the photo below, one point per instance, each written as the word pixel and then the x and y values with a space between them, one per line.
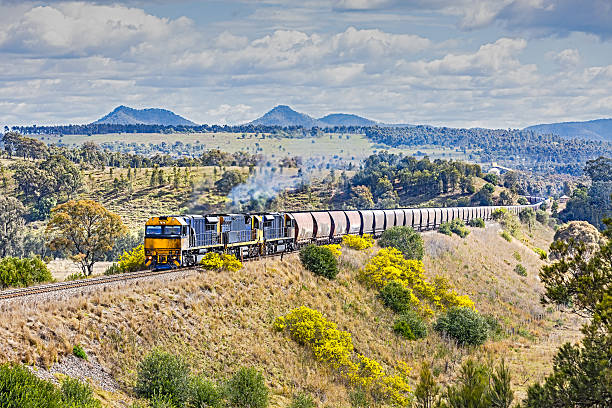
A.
pixel 500 393
pixel 427 390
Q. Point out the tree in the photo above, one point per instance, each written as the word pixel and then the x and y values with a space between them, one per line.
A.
pixel 229 180
pixel 471 388
pixel 85 230
pixel 599 169
pixel 528 216
pixel 11 224
pixel 427 390
pixel 581 372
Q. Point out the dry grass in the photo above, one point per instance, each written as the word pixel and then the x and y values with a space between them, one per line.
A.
pixel 220 321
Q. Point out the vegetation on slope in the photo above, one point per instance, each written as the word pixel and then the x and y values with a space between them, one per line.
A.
pixel 223 320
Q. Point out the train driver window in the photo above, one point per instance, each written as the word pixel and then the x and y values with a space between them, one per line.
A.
pixel 153 230
pixel 172 230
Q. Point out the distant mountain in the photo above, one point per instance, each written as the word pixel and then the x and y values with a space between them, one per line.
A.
pixel 283 115
pixel 345 119
pixel 123 115
pixel 599 129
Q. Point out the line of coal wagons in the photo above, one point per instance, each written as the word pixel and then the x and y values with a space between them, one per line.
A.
pixel 174 241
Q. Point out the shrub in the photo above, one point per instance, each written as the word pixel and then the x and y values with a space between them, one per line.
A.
pixel 506 235
pixel 161 401
pixel 542 253
pixel 542 217
pixel 445 229
pixel 113 269
pixel 78 394
pixel 389 265
pixel 357 242
pixel 495 329
pixel 411 326
pixel 225 262
pixel 464 325
pixel 20 388
pixel 396 297
pixel 491 178
pixel 522 201
pixel 359 399
pixel 498 214
pixel 458 227
pixel 520 270
pixel 78 351
pixel 335 347
pixel 511 223
pixel 132 261
pixel 405 239
pixel 334 248
pixel 247 389
pixel 23 272
pixel 319 260
pixel 302 400
pixel 161 373
pixel 204 393
pixel 476 222
pixel 74 276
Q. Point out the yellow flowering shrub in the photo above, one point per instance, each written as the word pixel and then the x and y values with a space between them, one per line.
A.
pixel 335 347
pixel 334 248
pixel 389 265
pixel 215 261
pixel 132 261
pixel 357 242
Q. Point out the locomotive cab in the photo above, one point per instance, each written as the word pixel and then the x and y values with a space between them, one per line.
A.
pixel 165 240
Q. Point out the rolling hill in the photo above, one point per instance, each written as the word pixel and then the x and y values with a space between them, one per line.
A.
pixel 283 115
pixel 123 115
pixel 598 129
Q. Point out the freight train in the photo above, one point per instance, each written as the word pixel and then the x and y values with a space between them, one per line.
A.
pixel 182 240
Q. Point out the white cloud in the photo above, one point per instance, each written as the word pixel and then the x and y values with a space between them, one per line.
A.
pixel 488 60
pixel 81 29
pixel 568 57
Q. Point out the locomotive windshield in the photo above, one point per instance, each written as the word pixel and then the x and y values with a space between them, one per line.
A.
pixel 153 230
pixel 165 230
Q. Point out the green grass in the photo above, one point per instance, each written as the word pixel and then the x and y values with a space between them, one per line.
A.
pixel 356 147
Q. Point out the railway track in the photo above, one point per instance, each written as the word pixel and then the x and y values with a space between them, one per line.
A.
pixel 99 280
pixel 60 286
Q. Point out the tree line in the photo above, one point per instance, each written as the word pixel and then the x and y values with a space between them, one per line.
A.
pixel 519 149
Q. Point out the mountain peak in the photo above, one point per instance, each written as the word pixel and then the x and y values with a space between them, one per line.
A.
pixel 124 115
pixel 284 115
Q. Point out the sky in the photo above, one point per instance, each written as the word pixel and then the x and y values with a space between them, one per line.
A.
pixel 461 63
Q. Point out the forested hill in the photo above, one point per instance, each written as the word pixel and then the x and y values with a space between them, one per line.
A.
pixel 599 129
pixel 123 115
pixel 521 150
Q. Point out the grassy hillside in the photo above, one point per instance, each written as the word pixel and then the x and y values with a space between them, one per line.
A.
pixel 220 321
pixel 347 147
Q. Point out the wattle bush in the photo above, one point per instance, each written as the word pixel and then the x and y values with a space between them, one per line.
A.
pixel 225 262
pixel 357 242
pixel 464 325
pixel 319 260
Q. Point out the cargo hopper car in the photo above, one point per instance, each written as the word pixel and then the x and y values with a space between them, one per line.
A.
pixel 182 240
